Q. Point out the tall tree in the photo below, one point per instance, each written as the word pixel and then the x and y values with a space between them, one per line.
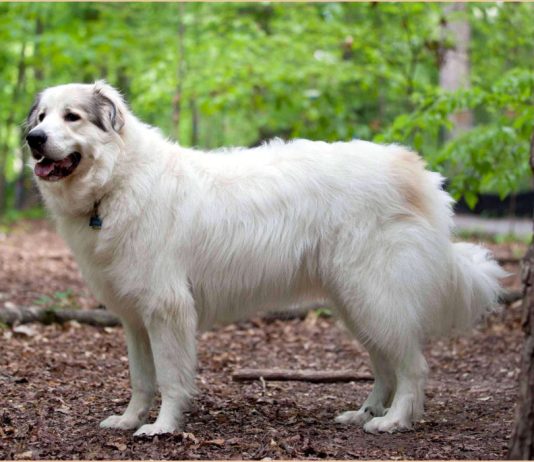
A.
pixel 522 443
pixel 25 191
pixel 11 124
pixel 180 73
pixel 455 70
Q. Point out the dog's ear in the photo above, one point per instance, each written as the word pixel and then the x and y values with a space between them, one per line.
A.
pixel 109 107
pixel 31 118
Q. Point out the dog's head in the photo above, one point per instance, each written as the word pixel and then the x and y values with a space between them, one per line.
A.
pixel 70 127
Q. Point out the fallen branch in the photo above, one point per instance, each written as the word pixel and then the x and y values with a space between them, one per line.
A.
pixel 247 375
pixel 511 297
pixel 12 315
pixel 512 260
pixel 296 311
pixel 18 315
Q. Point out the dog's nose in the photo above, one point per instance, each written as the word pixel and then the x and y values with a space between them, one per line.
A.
pixel 36 139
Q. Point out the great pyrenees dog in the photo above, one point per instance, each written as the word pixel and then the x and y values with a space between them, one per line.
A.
pixel 173 240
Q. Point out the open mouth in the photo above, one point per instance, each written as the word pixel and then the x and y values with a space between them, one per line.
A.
pixel 54 170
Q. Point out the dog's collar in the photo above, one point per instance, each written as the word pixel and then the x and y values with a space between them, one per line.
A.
pixel 95 221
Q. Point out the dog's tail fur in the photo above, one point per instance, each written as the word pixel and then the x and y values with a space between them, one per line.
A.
pixel 473 290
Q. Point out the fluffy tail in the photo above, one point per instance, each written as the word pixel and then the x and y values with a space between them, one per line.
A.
pixel 474 288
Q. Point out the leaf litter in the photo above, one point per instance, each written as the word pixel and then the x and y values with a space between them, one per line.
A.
pixel 58 382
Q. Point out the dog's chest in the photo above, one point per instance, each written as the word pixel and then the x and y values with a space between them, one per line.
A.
pixel 92 253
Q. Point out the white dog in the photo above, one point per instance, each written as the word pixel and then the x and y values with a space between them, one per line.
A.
pixel 173 240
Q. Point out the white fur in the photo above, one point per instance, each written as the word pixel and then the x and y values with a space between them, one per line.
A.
pixel 192 238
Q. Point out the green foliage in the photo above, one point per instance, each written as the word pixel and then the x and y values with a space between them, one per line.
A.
pixel 512 238
pixel 500 238
pixel 214 74
pixel 493 156
pixel 59 300
pixel 323 312
pixel 12 216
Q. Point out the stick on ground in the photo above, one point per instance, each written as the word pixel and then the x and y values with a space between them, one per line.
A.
pixel 246 375
pixel 20 315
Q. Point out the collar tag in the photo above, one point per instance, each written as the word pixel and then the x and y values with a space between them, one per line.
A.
pixel 95 221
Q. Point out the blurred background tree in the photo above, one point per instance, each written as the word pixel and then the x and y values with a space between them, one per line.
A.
pixel 453 82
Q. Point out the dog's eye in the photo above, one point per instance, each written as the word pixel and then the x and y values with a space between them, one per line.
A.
pixel 71 117
pixel 41 116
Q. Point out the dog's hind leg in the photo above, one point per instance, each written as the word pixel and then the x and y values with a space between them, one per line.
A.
pixel 407 404
pixel 142 378
pixel 172 338
pixel 383 306
pixel 380 397
pixel 400 373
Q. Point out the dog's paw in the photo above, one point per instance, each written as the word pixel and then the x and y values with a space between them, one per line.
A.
pixel 354 417
pixel 387 425
pixel 154 429
pixel 120 422
pixel 360 417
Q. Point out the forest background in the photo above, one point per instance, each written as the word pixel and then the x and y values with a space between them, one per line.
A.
pixel 452 81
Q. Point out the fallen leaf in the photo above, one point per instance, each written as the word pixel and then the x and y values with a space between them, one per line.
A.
pixel 216 442
pixel 117 445
pixel 25 330
pixel 190 436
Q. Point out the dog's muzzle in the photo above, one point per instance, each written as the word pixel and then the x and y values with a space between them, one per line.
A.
pixel 36 140
pixel 54 170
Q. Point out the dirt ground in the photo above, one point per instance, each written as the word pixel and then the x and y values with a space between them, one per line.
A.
pixel 58 382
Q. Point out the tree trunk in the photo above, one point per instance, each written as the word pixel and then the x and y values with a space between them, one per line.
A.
pixel 123 80
pixel 522 444
pixel 10 124
pixel 180 73
pixel 195 119
pixel 454 70
pixel 38 60
pixel 26 194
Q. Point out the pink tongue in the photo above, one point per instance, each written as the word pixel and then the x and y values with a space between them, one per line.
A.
pixel 47 166
pixel 44 167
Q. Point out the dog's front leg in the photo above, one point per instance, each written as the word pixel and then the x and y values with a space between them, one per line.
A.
pixel 142 377
pixel 172 338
